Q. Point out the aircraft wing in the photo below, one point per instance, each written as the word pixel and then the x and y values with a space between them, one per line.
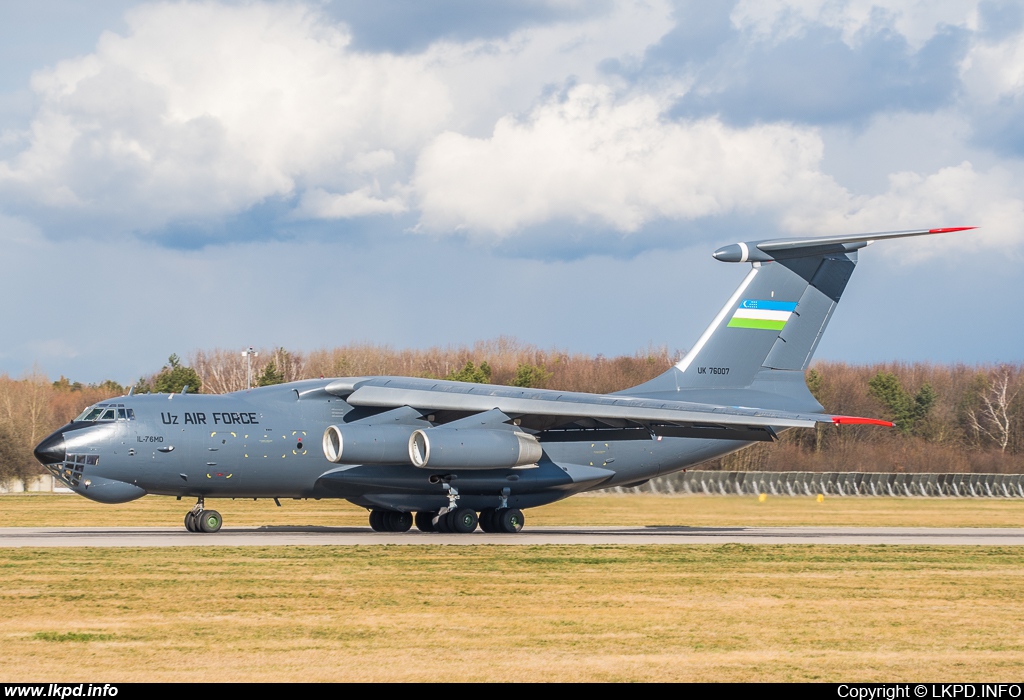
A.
pixel 556 408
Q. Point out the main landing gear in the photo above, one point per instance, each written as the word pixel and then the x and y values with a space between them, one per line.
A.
pixel 462 520
pixel 451 519
pixel 390 520
pixel 201 520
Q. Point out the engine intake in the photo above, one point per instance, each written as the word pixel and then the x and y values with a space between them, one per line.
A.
pixel 367 444
pixel 476 448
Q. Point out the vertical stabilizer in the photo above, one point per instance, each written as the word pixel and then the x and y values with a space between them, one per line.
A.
pixel 766 334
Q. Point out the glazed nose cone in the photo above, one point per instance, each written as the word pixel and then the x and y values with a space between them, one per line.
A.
pixel 51 450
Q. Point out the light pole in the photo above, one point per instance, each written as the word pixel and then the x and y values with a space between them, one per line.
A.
pixel 248 355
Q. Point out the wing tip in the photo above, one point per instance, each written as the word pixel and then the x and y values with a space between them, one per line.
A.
pixel 951 230
pixel 856 420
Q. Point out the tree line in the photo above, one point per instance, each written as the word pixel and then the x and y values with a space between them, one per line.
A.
pixel 960 418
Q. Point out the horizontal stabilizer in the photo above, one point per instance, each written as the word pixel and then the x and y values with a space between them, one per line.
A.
pixel 781 248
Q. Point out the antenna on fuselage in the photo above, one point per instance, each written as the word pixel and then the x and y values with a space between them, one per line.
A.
pixel 184 389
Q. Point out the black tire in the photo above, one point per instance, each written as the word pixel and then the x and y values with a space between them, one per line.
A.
pixel 488 518
pixel 510 520
pixel 425 521
pixel 442 522
pixel 463 520
pixel 377 520
pixel 397 521
pixel 190 522
pixel 210 521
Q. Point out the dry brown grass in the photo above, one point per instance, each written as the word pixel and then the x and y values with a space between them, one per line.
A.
pixel 684 613
pixel 693 613
pixel 44 510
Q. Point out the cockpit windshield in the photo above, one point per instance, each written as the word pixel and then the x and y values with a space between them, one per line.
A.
pixel 107 412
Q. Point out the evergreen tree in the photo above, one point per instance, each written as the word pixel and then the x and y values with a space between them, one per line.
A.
pixel 65 384
pixel 530 376
pixel 174 377
pixel 270 375
pixel 906 411
pixel 472 373
pixel 109 386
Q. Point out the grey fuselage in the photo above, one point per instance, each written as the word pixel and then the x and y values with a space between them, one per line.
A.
pixel 267 443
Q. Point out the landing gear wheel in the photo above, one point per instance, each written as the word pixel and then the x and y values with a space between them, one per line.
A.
pixel 488 520
pixel 442 522
pixel 396 521
pixel 377 520
pixel 190 522
pixel 425 521
pixel 510 520
pixel 210 521
pixel 463 520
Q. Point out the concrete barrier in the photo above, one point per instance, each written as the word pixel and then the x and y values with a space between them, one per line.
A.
pixel 771 483
pixel 697 481
pixel 40 483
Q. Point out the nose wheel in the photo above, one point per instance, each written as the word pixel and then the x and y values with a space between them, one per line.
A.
pixel 201 520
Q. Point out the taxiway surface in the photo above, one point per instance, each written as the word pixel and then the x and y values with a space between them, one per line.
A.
pixel 569 535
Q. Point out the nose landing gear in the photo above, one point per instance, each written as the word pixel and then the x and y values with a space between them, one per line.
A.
pixel 201 520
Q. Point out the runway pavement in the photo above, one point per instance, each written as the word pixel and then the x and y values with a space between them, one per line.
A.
pixel 569 535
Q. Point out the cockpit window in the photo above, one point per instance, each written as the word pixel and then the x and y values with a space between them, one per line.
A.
pixel 105 412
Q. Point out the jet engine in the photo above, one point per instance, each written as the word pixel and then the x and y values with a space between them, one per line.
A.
pixel 367 444
pixel 474 448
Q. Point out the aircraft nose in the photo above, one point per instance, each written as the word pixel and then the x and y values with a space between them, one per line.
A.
pixel 52 450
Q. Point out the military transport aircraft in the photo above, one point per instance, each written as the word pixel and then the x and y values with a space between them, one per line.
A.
pixel 456 454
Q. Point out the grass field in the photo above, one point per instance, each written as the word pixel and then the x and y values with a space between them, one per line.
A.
pixel 47 510
pixel 503 614
pixel 435 613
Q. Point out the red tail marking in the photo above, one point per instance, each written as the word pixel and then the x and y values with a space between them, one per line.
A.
pixel 950 230
pixel 854 420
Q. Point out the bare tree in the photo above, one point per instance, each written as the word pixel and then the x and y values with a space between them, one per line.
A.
pixel 222 371
pixel 993 416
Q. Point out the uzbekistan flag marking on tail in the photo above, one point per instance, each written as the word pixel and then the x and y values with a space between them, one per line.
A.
pixel 764 314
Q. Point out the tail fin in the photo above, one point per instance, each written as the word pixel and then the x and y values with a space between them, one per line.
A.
pixel 765 336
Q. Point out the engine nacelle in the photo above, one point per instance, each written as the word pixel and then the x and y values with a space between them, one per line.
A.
pixel 367 444
pixel 472 448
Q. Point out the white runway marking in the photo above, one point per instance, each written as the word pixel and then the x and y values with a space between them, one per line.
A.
pixel 568 535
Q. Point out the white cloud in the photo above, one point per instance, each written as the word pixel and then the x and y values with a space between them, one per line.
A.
pixel 618 163
pixel 495 77
pixel 916 20
pixel 952 196
pixel 318 204
pixel 994 70
pixel 205 109
pixel 202 110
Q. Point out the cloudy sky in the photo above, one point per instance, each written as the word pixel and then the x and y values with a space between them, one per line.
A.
pixel 186 175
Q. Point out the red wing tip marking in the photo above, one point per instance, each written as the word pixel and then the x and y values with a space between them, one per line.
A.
pixel 950 230
pixel 854 420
